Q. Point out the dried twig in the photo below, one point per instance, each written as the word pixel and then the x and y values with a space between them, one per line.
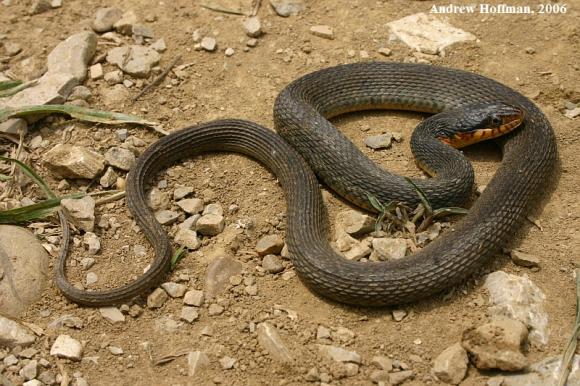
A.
pixel 255 7
pixel 159 79
pixel 223 10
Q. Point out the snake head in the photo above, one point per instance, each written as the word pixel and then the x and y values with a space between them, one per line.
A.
pixel 478 122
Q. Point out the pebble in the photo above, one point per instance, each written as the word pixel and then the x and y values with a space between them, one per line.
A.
pixel 159 45
pixel 385 51
pixel 189 314
pixel 92 242
pixel 66 320
pixel 322 333
pixel 157 298
pixel 10 360
pixel 399 315
pixel 210 224
pixel 13 334
pixel 166 217
pixel 120 158
pixel 252 42
pixel 377 142
pixel 12 48
pixel 208 44
pixel 30 370
pixel 227 363
pixel 80 92
pixel 187 238
pixel 215 309
pixel 382 363
pixel 68 161
pixel 270 244
pixel 524 259
pixel 229 51
pixel 14 126
pixel 322 31
pixel 114 77
pixel 27 275
pixel 272 264
pixel 91 278
pixel 196 362
pixel 389 248
pixel 109 178
pixel 105 19
pixel 125 24
pixel 39 6
pixel 214 209
pixel 112 314
pixel 343 335
pixel 193 298
pixel 28 353
pixel 175 290
pixel 451 365
pixel 218 275
pixel 354 222
pixel 253 27
pixel 141 31
pixel 519 298
pixel 287 8
pixel 191 205
pixel 80 212
pixel 497 345
pixel 96 71
pixel 271 341
pixel 33 382
pixel 115 350
pixel 339 354
pixel 182 192
pixel 573 113
pixel 46 377
pixel 157 199
pixel 134 60
pixel 395 379
pixel 67 347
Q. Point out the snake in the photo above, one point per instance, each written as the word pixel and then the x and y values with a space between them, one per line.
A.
pixel 308 148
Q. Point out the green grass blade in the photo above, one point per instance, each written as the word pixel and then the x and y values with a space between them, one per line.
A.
pixel 8 84
pixel 422 196
pixel 29 212
pixel 375 203
pixel 77 112
pixel 442 212
pixel 4 177
pixel 27 170
pixel 177 256
pixel 17 88
pixel 573 341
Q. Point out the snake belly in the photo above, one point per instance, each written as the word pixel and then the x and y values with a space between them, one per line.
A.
pixel 311 143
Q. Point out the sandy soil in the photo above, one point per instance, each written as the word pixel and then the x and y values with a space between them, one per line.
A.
pixel 245 86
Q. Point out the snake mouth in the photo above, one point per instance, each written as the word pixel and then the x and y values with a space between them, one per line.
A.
pixel 509 122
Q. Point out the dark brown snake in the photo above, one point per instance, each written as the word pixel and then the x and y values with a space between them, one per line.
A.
pixel 300 114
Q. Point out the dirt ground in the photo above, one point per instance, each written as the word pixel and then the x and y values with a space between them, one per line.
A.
pixel 245 86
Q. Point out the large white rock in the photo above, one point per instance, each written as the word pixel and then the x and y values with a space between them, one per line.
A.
pixel 13 334
pixel 73 55
pixel 545 373
pixel 427 33
pixel 518 298
pixel 66 347
pixel 25 265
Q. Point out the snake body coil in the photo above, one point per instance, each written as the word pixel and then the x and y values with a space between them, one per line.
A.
pixel 301 116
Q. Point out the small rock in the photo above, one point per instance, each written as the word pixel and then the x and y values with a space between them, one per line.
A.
pixel 15 126
pixel 343 335
pixel 385 51
pixel 183 191
pixel 270 244
pixel 400 377
pixel 52 88
pixel 157 298
pixel 227 363
pixel 92 242
pixel 377 142
pixel 166 217
pixel 191 205
pixel 187 238
pixel 573 113
pixel 96 71
pixel 12 49
pixel 322 333
pixel 46 377
pixel 68 161
pixel 115 350
pixel 66 347
pixel 429 234
pixel 196 362
pixel 157 199
pixel 272 264
pixel 10 360
pixel 389 248
pixel 134 60
pixel 175 290
pixel 72 55
pixel 322 31
pixel 30 370
pixel 114 77
pixel 524 259
pixel 125 24
pixel 80 92
pixel 270 340
pixel 252 42
pixel 451 365
pixel 253 27
pixel 112 314
pixel 229 51
pixel 214 209
pixel 497 345
pixel 357 252
pixel 13 334
pixel 34 382
pixel 80 212
pixel 312 375
pixel 354 222
pixel 218 275
pixel 215 309
pixel 193 298
pixel 141 31
pixel 87 262
pixel 208 44
pixel 105 19
pixel 28 353
pixel 120 158
pixel 383 363
pixel 399 315
pixel 39 6
pixel 66 320
pixel 210 224
pixel 286 8
pixel 159 45
pixel 189 314
pixel 109 178
pixel 91 278
pixel 339 354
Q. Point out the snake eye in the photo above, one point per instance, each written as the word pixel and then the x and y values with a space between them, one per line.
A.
pixel 495 121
